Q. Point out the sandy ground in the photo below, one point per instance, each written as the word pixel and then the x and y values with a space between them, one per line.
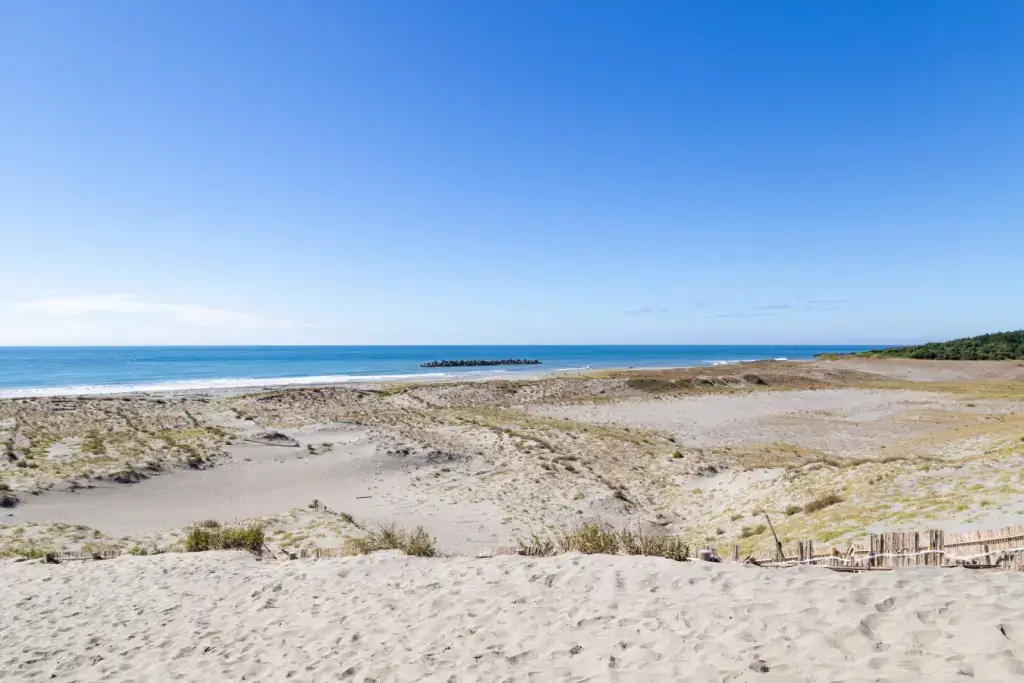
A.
pixel 228 617
pixel 699 452
pixel 930 370
pixel 847 420
pixel 357 476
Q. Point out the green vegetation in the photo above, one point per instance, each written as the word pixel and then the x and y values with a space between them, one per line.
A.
pixel 747 531
pixel 997 346
pixel 93 443
pixel 202 537
pixel 598 538
pixel 417 542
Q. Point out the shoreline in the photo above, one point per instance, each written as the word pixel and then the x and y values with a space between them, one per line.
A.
pixel 236 386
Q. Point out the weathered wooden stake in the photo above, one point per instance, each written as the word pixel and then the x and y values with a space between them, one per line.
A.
pixel 780 556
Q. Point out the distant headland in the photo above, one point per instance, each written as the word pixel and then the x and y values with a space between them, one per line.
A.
pixel 473 363
pixel 995 346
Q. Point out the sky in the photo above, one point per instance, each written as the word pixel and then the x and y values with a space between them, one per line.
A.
pixel 560 171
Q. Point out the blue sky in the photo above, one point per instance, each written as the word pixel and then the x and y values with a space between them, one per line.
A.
pixel 519 172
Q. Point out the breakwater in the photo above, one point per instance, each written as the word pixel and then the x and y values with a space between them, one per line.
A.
pixel 474 363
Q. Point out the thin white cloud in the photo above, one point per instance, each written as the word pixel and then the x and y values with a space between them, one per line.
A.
pixel 188 315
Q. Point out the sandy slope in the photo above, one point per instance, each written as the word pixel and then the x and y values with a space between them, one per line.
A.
pixel 228 617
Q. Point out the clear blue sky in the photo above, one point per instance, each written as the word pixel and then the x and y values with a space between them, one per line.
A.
pixel 515 172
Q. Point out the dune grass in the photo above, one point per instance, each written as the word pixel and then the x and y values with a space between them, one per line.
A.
pixel 7 498
pixel 204 536
pixel 822 502
pixel 595 537
pixel 392 537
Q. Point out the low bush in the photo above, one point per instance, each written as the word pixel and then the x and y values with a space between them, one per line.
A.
pixel 747 531
pixel 793 509
pixel 7 497
pixel 200 537
pixel 416 542
pixel 598 538
pixel 822 502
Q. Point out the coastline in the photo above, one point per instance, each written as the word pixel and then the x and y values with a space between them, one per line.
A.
pixel 237 386
pixel 27 372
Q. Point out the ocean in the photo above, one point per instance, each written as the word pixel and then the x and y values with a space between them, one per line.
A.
pixel 54 371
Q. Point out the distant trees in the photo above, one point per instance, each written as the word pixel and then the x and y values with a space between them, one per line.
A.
pixel 996 346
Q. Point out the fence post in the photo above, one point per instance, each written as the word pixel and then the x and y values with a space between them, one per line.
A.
pixel 735 553
pixel 937 542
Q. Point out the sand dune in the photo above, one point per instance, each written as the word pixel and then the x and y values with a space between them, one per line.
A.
pixel 227 616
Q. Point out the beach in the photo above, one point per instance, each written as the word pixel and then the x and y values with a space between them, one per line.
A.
pixel 703 454
pixel 226 616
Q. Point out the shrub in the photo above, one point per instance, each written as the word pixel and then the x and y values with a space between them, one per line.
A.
pixel 7 497
pixel 249 537
pixel 736 517
pixel 28 549
pixel 416 542
pixel 597 538
pixel 793 509
pixel 588 538
pixel 822 502
pixel 747 531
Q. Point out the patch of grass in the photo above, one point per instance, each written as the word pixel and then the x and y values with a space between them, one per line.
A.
pixel 30 549
pixel 822 502
pixel 748 531
pixel 735 518
pixel 94 443
pixel 200 538
pixel 392 537
pixel 595 537
pixel 792 510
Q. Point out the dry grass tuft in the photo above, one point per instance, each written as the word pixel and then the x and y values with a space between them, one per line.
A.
pixel 416 542
pixel 7 498
pixel 822 502
pixel 598 538
pixel 748 531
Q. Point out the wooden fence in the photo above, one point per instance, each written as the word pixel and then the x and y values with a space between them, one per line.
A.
pixel 998 548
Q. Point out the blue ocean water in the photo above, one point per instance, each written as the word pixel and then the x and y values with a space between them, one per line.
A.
pixel 41 371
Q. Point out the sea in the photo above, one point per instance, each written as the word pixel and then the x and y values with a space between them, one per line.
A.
pixel 61 370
